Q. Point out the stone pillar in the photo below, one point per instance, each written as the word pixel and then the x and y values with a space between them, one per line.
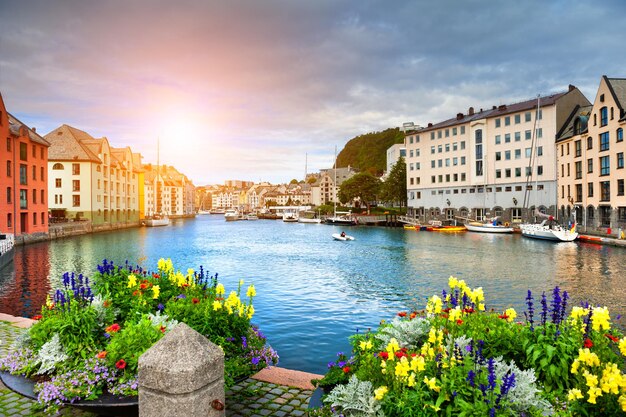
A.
pixel 182 375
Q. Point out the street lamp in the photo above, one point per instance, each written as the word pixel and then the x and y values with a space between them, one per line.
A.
pixel 514 201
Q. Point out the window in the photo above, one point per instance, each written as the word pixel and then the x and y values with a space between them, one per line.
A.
pixel 23 199
pixel 479 168
pixel 579 193
pixel 589 165
pixel 539 133
pixel 498 173
pixel 9 220
pixel 9 195
pixel 527 116
pixel 539 169
pixel 34 196
pixel 43 201
pixel 8 144
pixel 58 166
pixel 507 121
pixel 528 152
pixel 34 151
pixel 41 174
pixel 432 149
pixel 518 136
pixel 527 135
pixel 447 133
pixel 507 155
pixel 518 172
pixel 454 131
pixel 579 169
pixel 23 151
pixel 432 165
pixel 539 150
pixel 518 153
pixel 518 119
pixel 9 169
pixel 498 156
pixel 455 161
pixel 455 146
pixel 76 169
pixel 34 173
pixel 447 147
pixel 620 134
pixel 604 141
pixel 605 191
pixel 578 148
pixel 620 187
pixel 620 160
pixel 497 122
pixel 462 160
pixel 621 214
pixel 507 173
pixel 590 189
pixel 439 149
pixel 439 135
pixel 507 138
pixel 463 176
pixel 605 166
pixel 462 130
pixel 498 139
pixel 604 119
pixel 57 183
pixel 76 200
pixel 528 171
pixel 462 144
pixel 76 184
pixel 23 174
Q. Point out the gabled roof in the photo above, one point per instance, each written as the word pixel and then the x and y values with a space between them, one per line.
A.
pixel 15 125
pixel 580 113
pixel 617 86
pixel 68 143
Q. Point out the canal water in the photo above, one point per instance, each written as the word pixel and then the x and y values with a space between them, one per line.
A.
pixel 313 292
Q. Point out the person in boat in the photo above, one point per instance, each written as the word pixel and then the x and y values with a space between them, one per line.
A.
pixel 343 234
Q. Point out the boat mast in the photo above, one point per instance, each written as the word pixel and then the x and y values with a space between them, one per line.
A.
pixel 335 185
pixel 531 161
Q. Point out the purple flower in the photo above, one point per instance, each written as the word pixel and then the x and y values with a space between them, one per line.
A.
pixel 181 296
pixel 255 360
pixel 160 307
pixel 544 309
pixel 492 373
pixel 471 375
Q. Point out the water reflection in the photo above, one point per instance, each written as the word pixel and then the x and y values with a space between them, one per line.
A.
pixel 313 292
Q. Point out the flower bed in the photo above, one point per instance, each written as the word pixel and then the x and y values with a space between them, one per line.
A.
pixel 91 333
pixel 456 359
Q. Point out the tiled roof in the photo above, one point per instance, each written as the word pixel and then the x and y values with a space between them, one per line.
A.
pixel 618 87
pixel 14 128
pixel 495 112
pixel 67 143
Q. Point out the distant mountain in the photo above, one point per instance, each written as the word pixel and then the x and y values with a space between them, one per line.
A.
pixel 369 152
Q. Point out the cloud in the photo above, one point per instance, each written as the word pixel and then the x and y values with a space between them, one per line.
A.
pixel 254 85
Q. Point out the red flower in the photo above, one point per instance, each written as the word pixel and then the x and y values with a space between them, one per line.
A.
pixel 346 369
pixel 102 355
pixel 402 314
pixel 195 300
pixel 114 328
pixel 588 343
pixel 413 315
pixel 384 355
pixel 400 354
pixel 459 321
pixel 469 310
pixel 163 328
pixel 503 316
pixel 121 364
pixel 136 293
pixel 446 310
pixel 156 276
pixel 143 286
pixel 613 338
pixel 37 317
pixel 106 303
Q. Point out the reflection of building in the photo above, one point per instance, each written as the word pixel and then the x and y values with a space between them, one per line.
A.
pixel 590 160
pixel 482 164
pixel 90 180
pixel 23 177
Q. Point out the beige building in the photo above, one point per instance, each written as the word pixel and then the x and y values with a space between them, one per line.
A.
pixel 495 162
pixel 168 192
pixel 89 179
pixel 325 189
pixel 590 161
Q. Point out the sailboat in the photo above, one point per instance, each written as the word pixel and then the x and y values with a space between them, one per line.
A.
pixel 342 218
pixel 548 229
pixel 157 218
pixel 488 227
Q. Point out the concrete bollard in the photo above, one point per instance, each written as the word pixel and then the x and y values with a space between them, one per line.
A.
pixel 182 375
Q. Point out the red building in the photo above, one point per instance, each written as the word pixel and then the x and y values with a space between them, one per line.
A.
pixel 23 177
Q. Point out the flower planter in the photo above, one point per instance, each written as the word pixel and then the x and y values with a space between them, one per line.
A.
pixel 105 405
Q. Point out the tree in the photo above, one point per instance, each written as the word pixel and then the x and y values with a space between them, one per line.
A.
pixel 363 186
pixel 293 181
pixel 311 180
pixel 394 187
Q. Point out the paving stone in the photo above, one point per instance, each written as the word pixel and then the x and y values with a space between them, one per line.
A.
pixel 280 400
pixel 294 403
pixel 270 396
pixel 287 408
pixel 273 406
pixel 277 391
pixel 262 400
pixel 280 413
pixel 297 413
pixel 265 412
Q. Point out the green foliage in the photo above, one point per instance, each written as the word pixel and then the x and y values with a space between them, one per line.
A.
pixel 130 342
pixel 394 187
pixel 362 186
pixel 368 153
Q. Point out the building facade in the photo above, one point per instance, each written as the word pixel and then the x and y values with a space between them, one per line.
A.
pixel 491 163
pixel 590 161
pixel 23 179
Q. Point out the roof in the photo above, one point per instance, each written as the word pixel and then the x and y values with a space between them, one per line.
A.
pixel 494 112
pixel 579 113
pixel 618 89
pixel 69 143
pixel 15 125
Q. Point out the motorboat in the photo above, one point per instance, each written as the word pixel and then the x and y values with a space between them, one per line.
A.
pixel 488 227
pixel 549 230
pixel 290 216
pixel 448 229
pixel 252 216
pixel 231 215
pixel 342 237
pixel 156 220
pixel 341 218
pixel 308 217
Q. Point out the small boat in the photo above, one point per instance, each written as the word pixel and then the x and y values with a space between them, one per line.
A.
pixel 290 216
pixel 156 220
pixel 231 215
pixel 308 217
pixel 338 236
pixel 252 216
pixel 488 227
pixel 415 227
pixel 448 229
pixel 341 218
pixel 7 243
pixel 548 230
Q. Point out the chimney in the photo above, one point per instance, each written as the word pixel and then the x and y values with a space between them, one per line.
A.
pixel 430 125
pixel 572 87
pixel 502 107
pixel 459 116
pixel 35 129
pixel 470 112
pixel 493 108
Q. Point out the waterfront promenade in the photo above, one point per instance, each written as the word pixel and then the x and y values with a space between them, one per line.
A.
pixel 273 392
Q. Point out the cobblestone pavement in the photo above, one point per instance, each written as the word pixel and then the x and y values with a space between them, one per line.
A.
pixel 250 398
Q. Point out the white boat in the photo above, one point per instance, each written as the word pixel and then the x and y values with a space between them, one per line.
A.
pixel 549 230
pixel 338 236
pixel 290 216
pixel 488 227
pixel 251 216
pixel 231 215
pixel 308 217
pixel 201 212
pixel 341 218
pixel 156 220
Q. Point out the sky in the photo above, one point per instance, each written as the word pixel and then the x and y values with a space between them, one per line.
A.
pixel 260 90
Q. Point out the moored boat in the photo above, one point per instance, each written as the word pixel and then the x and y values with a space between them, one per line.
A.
pixel 156 221
pixel 548 230
pixel 7 244
pixel 488 227
pixel 231 215
pixel 448 229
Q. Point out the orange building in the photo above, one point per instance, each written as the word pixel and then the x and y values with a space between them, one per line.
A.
pixel 23 177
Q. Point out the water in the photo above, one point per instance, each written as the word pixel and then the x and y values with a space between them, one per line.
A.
pixel 313 292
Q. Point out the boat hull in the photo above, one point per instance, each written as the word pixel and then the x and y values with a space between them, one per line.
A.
pixel 340 221
pixel 156 222
pixel 488 228
pixel 338 236
pixel 544 232
pixel 304 220
pixel 447 229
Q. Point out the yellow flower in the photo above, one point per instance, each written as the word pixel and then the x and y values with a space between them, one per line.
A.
pixel 216 305
pixel 601 319
pixel 155 291
pixel 392 347
pixel 380 392
pixel 165 265
pixel 455 314
pixel 250 312
pixel 593 393
pixel 622 345
pixel 432 384
pixel 510 312
pixel 251 291
pixel 578 312
pixel 49 302
pixel 365 345
pixel 591 379
pixel 611 379
pixel 481 307
pixel 219 289
pixel 574 394
pixel 587 357
pixel 622 401
pixel 132 281
pixel 402 367
pixel 575 366
pixel 411 381
pixel 432 335
pixel 418 363
pixel 452 282
pixel 434 305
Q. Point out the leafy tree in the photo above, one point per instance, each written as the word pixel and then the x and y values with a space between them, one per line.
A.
pixel 311 180
pixel 394 188
pixel 369 152
pixel 293 181
pixel 363 186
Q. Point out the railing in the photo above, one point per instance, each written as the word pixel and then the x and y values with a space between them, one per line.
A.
pixel 7 243
pixel 408 220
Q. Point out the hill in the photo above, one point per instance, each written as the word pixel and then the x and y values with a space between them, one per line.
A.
pixel 369 152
